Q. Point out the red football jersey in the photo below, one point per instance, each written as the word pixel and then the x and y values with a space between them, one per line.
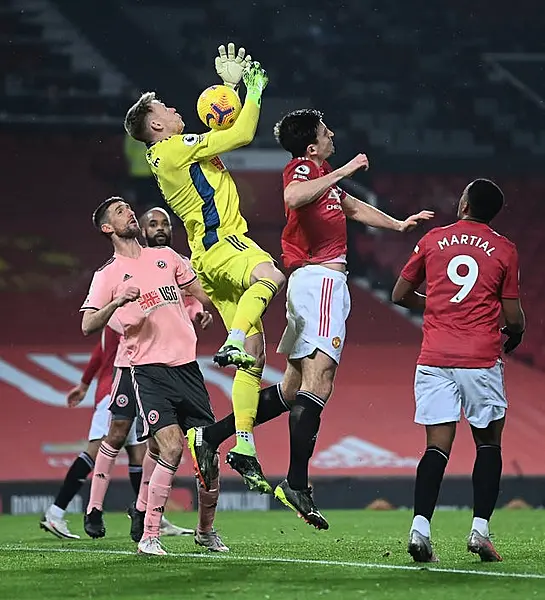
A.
pixel 468 268
pixel 315 233
pixel 101 364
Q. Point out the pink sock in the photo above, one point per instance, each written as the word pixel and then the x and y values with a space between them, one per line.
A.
pixel 159 489
pixel 148 465
pixel 208 502
pixel 101 476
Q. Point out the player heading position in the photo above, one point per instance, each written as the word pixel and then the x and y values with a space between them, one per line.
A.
pixel 314 244
pixel 238 276
pixel 142 287
pixel 472 277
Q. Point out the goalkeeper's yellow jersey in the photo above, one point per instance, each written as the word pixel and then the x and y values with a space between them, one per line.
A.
pixel 195 183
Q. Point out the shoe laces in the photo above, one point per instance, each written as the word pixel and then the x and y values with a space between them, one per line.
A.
pixel 154 541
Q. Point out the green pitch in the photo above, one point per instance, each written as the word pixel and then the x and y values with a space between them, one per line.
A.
pixel 274 555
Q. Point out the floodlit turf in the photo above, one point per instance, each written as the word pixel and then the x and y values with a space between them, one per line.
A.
pixel 275 555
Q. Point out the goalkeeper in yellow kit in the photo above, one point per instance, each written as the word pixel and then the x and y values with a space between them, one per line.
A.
pixel 239 277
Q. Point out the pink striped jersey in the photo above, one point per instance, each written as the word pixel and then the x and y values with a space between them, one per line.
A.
pixel 156 327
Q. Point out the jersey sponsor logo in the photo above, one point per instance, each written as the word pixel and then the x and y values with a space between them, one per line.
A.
pixel 333 207
pixel 303 177
pixel 354 453
pixel 153 417
pixel 336 342
pixel 121 400
pixel 467 240
pixel 218 163
pixel 167 294
pixel 302 169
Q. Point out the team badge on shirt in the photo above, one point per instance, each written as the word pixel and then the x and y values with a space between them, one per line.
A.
pixel 336 342
pixel 153 417
pixel 161 264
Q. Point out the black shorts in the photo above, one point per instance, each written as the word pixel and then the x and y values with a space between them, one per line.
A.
pixel 123 398
pixel 170 396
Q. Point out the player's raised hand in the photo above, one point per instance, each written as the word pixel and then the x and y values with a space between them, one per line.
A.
pixel 255 79
pixel 204 318
pixel 360 161
pixel 414 220
pixel 230 66
pixel 129 295
pixel 76 395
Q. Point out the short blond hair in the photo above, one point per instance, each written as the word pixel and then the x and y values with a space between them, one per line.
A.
pixel 136 119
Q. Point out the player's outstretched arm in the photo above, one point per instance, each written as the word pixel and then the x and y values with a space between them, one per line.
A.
pixel 95 320
pixel 373 217
pixel 299 193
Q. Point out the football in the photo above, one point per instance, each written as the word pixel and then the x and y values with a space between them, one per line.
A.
pixel 218 107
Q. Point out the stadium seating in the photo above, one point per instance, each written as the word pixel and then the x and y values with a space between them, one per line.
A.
pixel 48 70
pixel 434 100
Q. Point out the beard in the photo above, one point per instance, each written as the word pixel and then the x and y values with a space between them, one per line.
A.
pixel 129 233
pixel 165 238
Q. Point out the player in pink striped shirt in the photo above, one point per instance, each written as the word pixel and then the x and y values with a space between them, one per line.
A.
pixel 142 286
pixel 157 231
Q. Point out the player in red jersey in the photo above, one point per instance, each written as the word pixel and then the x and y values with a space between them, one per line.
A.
pixel 472 277
pixel 142 287
pixel 318 301
pixel 101 365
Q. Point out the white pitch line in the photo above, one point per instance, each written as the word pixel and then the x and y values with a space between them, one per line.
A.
pixel 296 561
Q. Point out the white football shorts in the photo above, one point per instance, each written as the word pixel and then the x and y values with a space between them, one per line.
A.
pixel 441 393
pixel 317 306
pixel 100 423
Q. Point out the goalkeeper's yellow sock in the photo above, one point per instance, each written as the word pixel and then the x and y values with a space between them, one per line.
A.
pixel 246 387
pixel 251 307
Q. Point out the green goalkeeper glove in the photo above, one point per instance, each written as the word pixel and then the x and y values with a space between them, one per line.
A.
pixel 230 67
pixel 255 79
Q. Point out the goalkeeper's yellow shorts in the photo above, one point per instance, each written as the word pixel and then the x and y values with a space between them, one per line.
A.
pixel 225 271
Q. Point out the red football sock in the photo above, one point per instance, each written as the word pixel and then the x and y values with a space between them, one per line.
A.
pixel 101 476
pixel 159 490
pixel 208 502
pixel 148 466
